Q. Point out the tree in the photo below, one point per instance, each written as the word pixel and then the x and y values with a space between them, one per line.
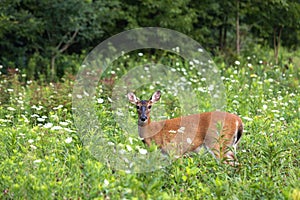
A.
pixel 47 29
pixel 19 33
pixel 271 18
pixel 176 14
pixel 237 20
pixel 216 22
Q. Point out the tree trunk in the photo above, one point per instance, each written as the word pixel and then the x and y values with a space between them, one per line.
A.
pixel 237 27
pixel 221 38
pixel 60 48
pixel 225 36
pixel 52 67
pixel 276 41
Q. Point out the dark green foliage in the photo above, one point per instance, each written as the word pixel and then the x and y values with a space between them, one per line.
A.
pixel 38 35
pixel 49 38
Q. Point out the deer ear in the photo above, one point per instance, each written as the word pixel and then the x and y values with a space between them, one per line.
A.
pixel 132 98
pixel 155 97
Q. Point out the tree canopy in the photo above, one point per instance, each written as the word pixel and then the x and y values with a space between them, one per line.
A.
pixel 44 37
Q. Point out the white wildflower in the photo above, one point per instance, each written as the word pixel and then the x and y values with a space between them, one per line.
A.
pixel 48 125
pixel 177 49
pixel 30 141
pixel 237 62
pixel 25 119
pixel 11 109
pixel 106 182
pixel 265 107
pixel 143 151
pixel 37 107
pixel 292 94
pixel 37 161
pixel 100 100
pixel 211 87
pixel 69 130
pixel 172 131
pixel 275 111
pixel 86 94
pixel 111 143
pixel 130 140
pixel 247 118
pixel 55 128
pixel 128 147
pixel 58 107
pixel 64 123
pixel 196 61
pixel 122 151
pixel 40 119
pixel 68 140
pixel 235 102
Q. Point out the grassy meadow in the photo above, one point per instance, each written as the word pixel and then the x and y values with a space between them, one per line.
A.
pixel 43 157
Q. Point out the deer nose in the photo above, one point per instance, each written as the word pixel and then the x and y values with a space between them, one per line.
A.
pixel 143 118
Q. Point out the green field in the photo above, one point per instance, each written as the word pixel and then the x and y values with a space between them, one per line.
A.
pixel 42 156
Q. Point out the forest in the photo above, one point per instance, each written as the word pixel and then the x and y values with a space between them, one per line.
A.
pixel 51 38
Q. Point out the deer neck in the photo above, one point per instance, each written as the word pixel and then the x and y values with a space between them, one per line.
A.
pixel 145 129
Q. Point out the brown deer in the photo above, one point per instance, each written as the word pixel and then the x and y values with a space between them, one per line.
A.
pixel 219 132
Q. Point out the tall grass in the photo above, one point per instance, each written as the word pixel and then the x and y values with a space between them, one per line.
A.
pixel 42 156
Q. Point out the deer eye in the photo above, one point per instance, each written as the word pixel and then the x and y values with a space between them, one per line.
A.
pixel 137 107
pixel 149 107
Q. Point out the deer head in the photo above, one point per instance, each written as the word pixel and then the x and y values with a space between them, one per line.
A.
pixel 143 106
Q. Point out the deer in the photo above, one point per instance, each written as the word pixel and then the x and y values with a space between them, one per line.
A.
pixel 217 131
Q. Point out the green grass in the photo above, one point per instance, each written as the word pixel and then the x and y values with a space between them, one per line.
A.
pixel 42 156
